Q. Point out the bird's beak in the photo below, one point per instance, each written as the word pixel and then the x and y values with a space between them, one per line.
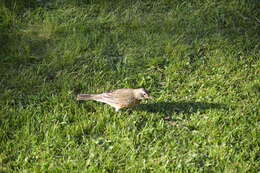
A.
pixel 150 97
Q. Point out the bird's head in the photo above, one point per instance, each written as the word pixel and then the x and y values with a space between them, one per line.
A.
pixel 142 94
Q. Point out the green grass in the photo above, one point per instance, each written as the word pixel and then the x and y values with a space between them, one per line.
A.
pixel 199 60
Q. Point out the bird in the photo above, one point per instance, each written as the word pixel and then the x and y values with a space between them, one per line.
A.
pixel 120 98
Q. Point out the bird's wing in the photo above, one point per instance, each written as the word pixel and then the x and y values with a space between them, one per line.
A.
pixel 116 98
pixel 108 99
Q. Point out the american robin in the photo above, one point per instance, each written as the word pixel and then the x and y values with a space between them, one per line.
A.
pixel 120 98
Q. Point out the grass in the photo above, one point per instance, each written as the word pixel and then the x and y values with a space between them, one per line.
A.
pixel 199 59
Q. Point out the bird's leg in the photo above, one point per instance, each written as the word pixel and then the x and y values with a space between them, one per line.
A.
pixel 129 111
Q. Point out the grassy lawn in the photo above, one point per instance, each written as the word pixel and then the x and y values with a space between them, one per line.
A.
pixel 199 59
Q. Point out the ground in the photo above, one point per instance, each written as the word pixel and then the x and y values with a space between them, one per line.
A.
pixel 198 59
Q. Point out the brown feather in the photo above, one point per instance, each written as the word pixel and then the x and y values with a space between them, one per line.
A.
pixel 85 97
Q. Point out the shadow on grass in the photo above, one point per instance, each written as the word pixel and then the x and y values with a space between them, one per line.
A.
pixel 182 107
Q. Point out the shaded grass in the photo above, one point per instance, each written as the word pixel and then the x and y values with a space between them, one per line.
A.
pixel 199 59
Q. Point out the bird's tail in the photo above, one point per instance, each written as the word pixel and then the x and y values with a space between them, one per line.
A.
pixel 85 97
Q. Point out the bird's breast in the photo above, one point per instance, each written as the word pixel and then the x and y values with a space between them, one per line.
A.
pixel 130 103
